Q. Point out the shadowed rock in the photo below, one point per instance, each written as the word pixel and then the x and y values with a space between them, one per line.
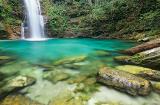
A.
pixel 124 81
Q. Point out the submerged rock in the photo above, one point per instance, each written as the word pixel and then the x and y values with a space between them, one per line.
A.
pixel 124 81
pixel 18 100
pixel 143 47
pixel 141 71
pixel 70 60
pixel 101 53
pixel 5 59
pixel 67 98
pixel 56 75
pixel 22 81
pixel 16 84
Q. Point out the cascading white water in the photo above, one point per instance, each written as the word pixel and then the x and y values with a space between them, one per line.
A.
pixel 33 28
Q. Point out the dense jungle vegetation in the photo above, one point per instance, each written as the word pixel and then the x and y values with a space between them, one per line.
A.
pixel 129 19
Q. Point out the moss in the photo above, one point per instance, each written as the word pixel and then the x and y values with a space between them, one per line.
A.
pixel 133 69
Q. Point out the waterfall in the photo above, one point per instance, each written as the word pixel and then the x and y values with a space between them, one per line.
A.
pixel 33 26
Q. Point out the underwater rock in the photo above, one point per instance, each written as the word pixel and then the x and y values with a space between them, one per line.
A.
pixel 56 75
pixel 85 83
pixel 101 53
pixel 15 84
pixel 18 100
pixel 156 87
pixel 70 60
pixel 67 98
pixel 143 47
pixel 141 71
pixel 5 59
pixel 22 81
pixel 124 81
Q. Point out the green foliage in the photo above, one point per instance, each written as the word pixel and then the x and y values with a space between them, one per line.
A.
pixel 58 19
pixel 124 17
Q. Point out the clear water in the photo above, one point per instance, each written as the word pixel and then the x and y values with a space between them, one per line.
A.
pixel 33 57
pixel 57 48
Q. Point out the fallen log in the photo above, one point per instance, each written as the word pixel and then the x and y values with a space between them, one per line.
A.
pixel 143 47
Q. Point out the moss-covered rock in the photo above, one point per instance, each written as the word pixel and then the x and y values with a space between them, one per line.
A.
pixel 15 84
pixel 141 71
pixel 122 59
pixel 18 100
pixel 149 58
pixel 124 81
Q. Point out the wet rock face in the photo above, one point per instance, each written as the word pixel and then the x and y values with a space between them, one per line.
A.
pixel 18 100
pixel 16 84
pixel 141 71
pixel 124 81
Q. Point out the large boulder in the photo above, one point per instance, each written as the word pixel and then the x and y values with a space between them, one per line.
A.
pixel 143 47
pixel 141 71
pixel 149 58
pixel 124 81
pixel 15 84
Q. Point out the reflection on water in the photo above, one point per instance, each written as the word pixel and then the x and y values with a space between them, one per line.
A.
pixel 65 71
